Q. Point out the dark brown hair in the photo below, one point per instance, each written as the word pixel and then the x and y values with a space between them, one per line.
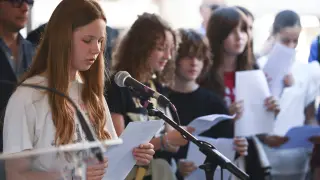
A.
pixel 134 49
pixel 220 25
pixel 193 44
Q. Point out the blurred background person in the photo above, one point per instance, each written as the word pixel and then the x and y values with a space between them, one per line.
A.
pixel 15 52
pixel 296 100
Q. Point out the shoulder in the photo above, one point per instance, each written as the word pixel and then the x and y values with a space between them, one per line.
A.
pixel 28 94
pixel 210 95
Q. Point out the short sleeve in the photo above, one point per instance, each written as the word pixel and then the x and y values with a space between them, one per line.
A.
pixel 109 124
pixel 19 122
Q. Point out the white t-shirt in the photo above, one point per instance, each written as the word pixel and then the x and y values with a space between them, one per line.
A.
pixel 28 122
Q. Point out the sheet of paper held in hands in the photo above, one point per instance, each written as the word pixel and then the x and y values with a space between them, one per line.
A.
pixel 298 137
pixel 252 89
pixel 223 145
pixel 120 158
pixel 204 123
pixel 280 60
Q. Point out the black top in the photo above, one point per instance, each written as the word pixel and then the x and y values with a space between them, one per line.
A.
pixel 201 102
pixel 126 102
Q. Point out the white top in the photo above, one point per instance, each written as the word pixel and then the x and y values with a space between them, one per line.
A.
pixel 28 122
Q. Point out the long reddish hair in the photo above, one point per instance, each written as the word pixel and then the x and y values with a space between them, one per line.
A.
pixel 53 57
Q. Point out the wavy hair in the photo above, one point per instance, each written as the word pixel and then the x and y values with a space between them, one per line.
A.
pixel 133 51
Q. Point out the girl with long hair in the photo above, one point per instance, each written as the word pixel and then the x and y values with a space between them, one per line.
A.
pixel 229 41
pixel 70 60
pixel 146 52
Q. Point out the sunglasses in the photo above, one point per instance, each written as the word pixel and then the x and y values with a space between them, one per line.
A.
pixel 18 3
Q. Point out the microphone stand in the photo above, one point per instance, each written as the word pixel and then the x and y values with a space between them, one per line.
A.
pixel 213 157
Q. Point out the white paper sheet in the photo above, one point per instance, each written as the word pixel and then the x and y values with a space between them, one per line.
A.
pixel 279 62
pixel 204 123
pixel 223 145
pixel 297 97
pixel 120 158
pixel 252 89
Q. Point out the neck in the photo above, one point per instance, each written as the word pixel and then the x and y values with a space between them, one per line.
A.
pixel 9 37
pixel 72 75
pixel 184 86
pixel 229 63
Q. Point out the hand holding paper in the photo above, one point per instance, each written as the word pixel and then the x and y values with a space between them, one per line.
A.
pixel 299 137
pixel 223 145
pixel 237 109
pixel 252 88
pixel 143 154
pixel 120 158
pixel 279 62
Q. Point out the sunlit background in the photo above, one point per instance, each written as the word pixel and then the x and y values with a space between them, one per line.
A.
pixel 185 13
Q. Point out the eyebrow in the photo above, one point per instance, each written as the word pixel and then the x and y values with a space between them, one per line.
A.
pixel 94 37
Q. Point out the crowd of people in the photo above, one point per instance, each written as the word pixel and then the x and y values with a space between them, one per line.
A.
pixel 195 68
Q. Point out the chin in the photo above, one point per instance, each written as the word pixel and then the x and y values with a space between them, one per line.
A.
pixel 84 68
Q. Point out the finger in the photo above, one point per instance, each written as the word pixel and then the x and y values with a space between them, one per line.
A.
pixel 150 152
pixel 95 178
pixel 94 173
pixel 146 146
pixel 142 161
pixel 190 129
pixel 143 155
pixel 187 164
pixel 267 100
pixel 241 144
pixel 190 169
pixel 96 167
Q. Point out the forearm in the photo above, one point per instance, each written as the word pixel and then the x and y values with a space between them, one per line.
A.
pixel 159 143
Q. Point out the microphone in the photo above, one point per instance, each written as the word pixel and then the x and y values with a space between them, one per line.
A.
pixel 84 124
pixel 124 79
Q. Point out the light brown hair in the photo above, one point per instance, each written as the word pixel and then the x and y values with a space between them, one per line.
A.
pixel 53 57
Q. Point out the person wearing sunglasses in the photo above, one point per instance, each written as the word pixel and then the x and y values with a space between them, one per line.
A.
pixel 15 52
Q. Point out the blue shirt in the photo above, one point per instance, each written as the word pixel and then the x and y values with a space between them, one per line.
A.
pixel 26 52
pixel 314 50
pixel 314 57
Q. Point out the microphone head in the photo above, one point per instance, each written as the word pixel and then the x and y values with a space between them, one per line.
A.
pixel 120 77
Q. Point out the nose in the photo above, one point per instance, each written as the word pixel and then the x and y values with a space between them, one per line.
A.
pixel 193 61
pixel 167 54
pixel 240 34
pixel 96 47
